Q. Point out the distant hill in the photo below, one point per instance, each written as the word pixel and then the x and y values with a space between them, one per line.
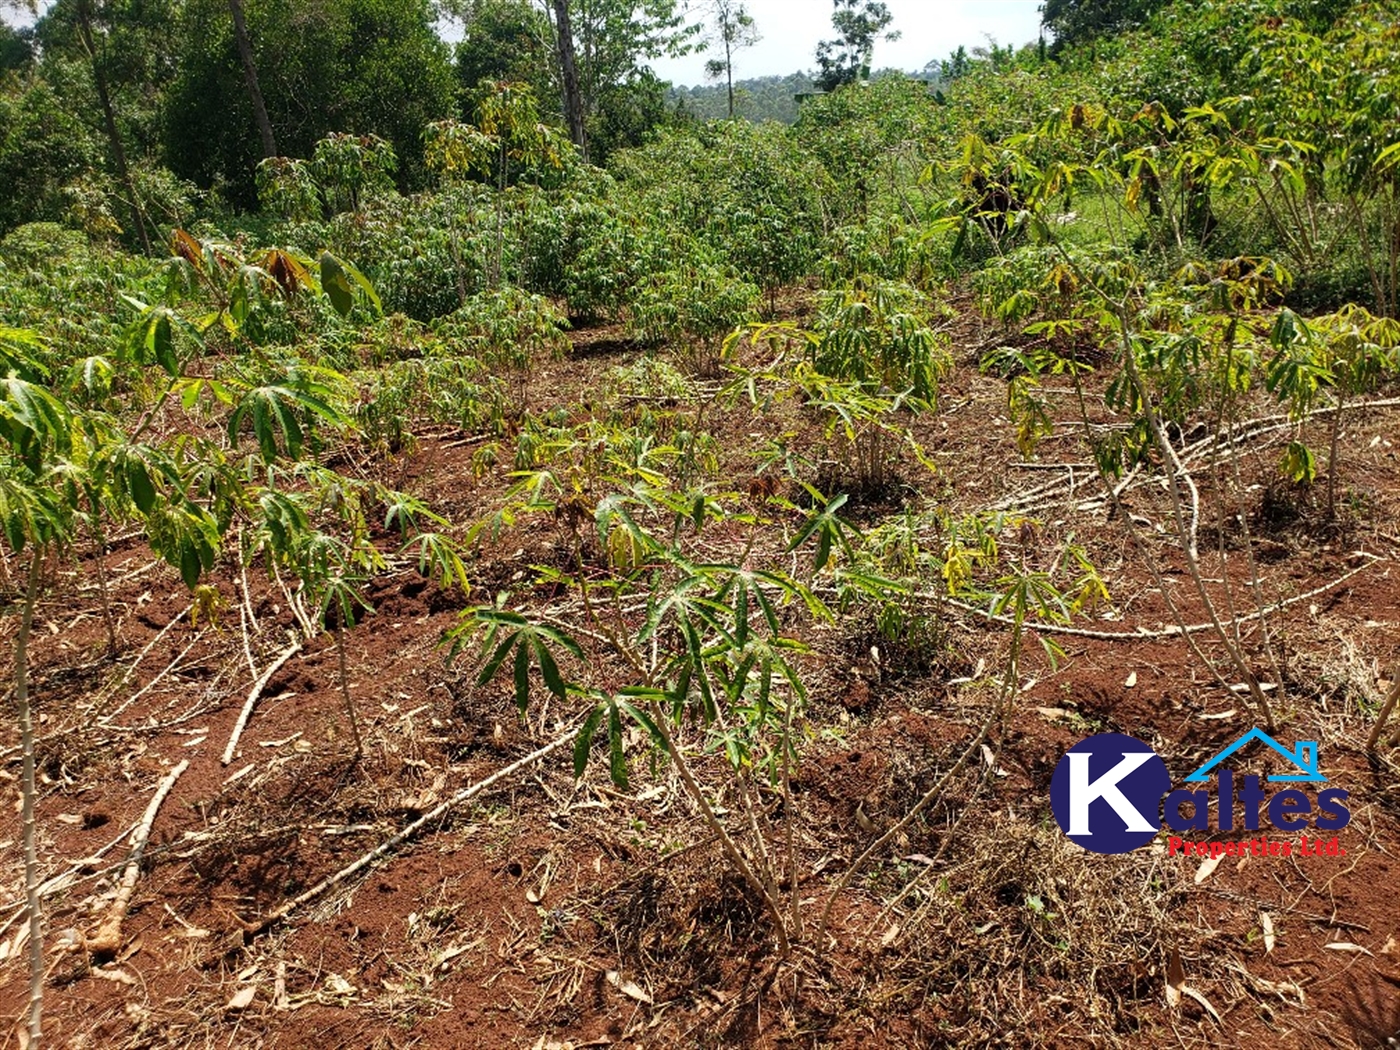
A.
pixel 758 98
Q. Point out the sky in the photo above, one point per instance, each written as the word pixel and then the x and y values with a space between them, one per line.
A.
pixel 929 29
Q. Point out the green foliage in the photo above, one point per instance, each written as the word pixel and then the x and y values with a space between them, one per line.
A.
pixel 622 99
pixel 507 139
pixel 859 24
pixel 651 377
pixel 505 41
pixel 505 329
pixel 15 49
pixel 504 632
pixel 692 306
pixel 342 171
pixel 873 141
pixel 757 99
pixel 1080 21
pixel 879 334
pixel 365 67
pixel 281 413
pixel 746 191
pixel 1348 353
pixel 43 149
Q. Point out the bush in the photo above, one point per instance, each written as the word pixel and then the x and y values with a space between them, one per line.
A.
pixel 692 305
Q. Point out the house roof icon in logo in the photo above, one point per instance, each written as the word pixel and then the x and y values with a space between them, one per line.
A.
pixel 1303 755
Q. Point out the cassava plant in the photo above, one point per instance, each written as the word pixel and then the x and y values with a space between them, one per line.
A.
pixel 1158 341
pixel 1350 352
pixel 711 650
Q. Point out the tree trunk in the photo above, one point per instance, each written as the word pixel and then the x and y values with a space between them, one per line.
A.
pixel 109 119
pixel 250 77
pixel 729 74
pixel 573 99
pixel 28 792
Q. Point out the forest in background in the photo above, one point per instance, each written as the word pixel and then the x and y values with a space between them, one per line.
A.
pixel 696 391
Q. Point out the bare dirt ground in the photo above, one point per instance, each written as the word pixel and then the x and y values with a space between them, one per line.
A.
pixel 550 912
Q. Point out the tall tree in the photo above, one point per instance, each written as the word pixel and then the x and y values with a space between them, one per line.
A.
pixel 15 52
pixel 506 41
pixel 610 42
pixel 250 76
pixel 732 29
pixel 43 148
pixel 109 119
pixel 1077 21
pixel 568 76
pixel 859 24
pixel 359 66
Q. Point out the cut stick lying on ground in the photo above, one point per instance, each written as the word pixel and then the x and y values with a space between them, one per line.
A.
pixel 253 694
pixel 1387 706
pixel 406 833
pixel 1173 629
pixel 108 937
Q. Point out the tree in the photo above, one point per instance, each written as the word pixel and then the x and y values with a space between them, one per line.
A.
pixel 733 30
pixel 250 75
pixel 15 52
pixel 1077 21
pixel 609 42
pixel 568 76
pixel 43 147
pixel 359 66
pixel 846 59
pixel 504 41
pixel 109 41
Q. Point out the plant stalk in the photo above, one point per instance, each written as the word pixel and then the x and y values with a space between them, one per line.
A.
pixel 29 795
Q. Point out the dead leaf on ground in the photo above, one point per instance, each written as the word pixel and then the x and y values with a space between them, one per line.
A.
pixel 1205 1003
pixel 628 988
pixel 1346 946
pixel 1266 922
pixel 991 760
pixel 242 998
pixel 1207 868
pixel 1176 979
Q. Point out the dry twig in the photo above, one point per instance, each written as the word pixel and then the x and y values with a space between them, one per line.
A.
pixel 253 694
pixel 108 937
pixel 407 832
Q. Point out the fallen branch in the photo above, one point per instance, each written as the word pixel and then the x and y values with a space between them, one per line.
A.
pixel 122 708
pixel 406 833
pixel 1201 449
pixel 1254 428
pixel 1386 708
pixel 108 937
pixel 253 694
pixel 1166 632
